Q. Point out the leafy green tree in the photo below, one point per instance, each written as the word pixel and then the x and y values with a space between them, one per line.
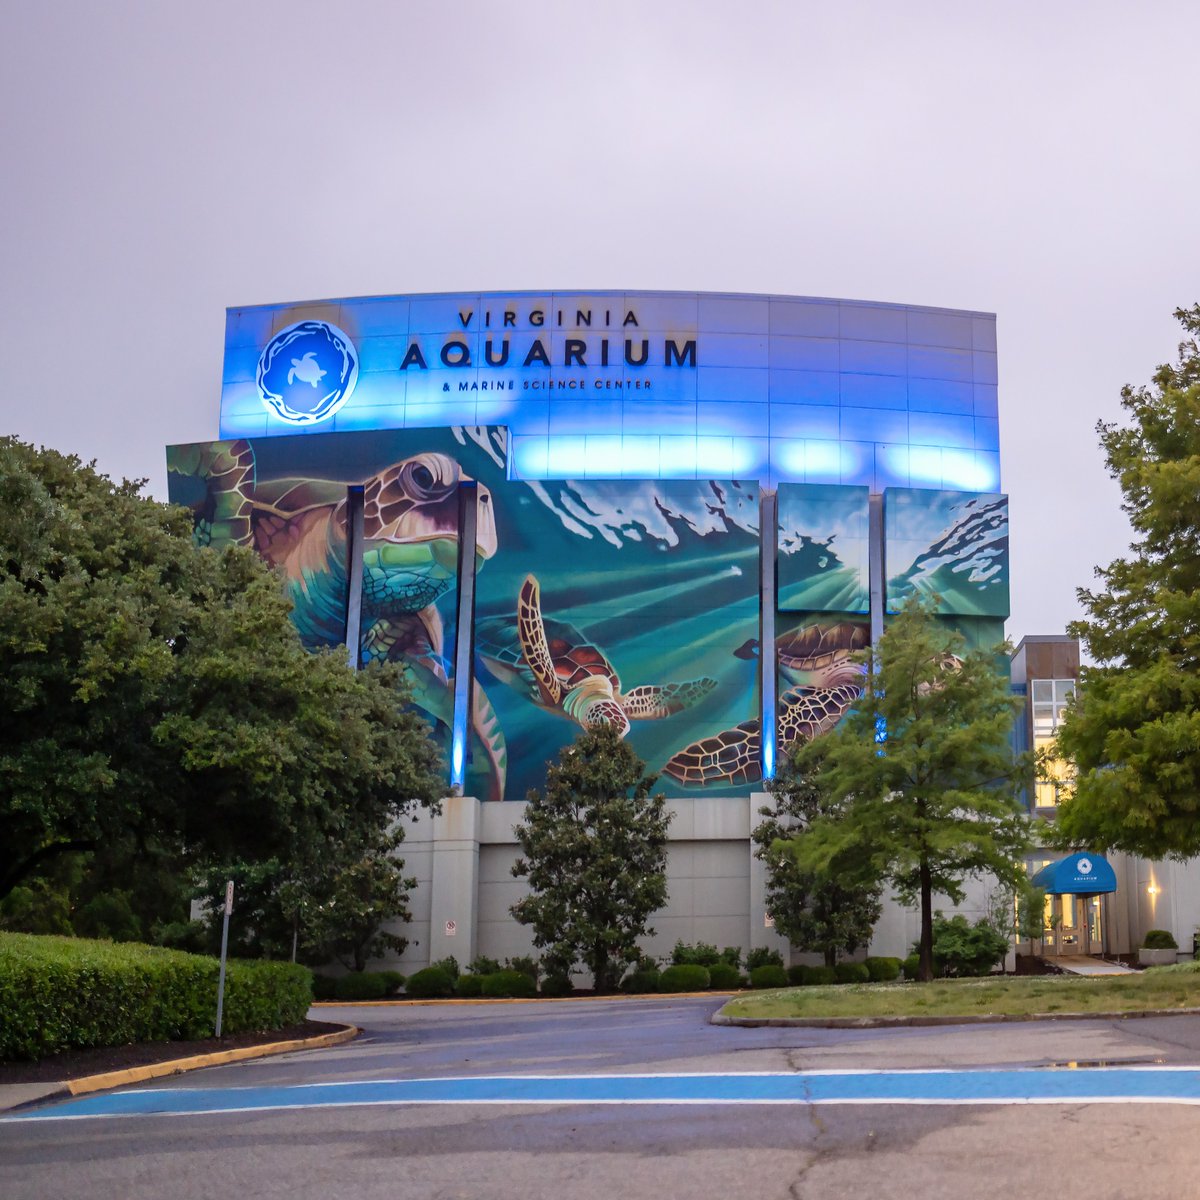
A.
pixel 155 694
pixel 829 911
pixel 594 849
pixel 336 909
pixel 935 799
pixel 1133 734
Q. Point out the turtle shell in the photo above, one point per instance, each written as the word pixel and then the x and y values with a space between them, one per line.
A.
pixel 574 657
pixel 812 647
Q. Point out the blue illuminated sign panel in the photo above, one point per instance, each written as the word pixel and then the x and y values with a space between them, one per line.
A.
pixel 638 384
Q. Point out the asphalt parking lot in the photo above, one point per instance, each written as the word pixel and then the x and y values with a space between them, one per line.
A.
pixel 327 1137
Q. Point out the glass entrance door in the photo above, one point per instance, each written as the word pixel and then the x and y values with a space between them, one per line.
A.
pixel 1072 932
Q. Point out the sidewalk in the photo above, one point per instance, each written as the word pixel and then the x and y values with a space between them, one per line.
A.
pixel 1085 964
pixel 18 1095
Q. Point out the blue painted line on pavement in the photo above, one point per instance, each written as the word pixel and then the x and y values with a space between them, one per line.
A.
pixel 1024 1086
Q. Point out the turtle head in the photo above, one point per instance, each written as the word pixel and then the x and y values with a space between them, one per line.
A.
pixel 417 502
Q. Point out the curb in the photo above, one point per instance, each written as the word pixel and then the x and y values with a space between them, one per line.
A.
pixel 178 1066
pixel 966 1019
pixel 522 1000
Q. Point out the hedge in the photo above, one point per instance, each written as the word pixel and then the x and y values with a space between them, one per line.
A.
pixel 508 985
pixel 432 983
pixel 1159 939
pixel 769 975
pixel 61 993
pixel 724 976
pixel 851 972
pixel 882 969
pixel 683 977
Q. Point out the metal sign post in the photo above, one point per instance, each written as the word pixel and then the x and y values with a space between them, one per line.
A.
pixel 224 948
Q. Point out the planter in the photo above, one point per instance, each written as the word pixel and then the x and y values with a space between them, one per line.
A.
pixel 1156 958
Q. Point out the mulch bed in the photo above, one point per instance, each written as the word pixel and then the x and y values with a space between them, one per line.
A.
pixel 73 1064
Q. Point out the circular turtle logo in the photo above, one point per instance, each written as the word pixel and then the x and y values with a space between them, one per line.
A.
pixel 307 372
pixel 1083 866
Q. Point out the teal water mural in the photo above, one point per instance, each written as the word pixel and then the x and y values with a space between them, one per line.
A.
pixel 822 561
pixel 644 592
pixel 952 544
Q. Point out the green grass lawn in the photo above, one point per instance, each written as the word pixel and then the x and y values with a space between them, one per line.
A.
pixel 1160 987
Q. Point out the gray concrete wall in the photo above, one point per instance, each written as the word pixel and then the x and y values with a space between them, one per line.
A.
pixel 462 860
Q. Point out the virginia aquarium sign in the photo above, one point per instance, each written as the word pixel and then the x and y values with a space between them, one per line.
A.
pixel 637 384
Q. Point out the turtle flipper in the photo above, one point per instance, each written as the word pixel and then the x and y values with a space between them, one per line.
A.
pixel 489 738
pixel 216 481
pixel 806 713
pixel 532 634
pixel 649 702
pixel 733 756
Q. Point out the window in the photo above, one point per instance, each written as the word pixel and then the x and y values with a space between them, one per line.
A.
pixel 1050 699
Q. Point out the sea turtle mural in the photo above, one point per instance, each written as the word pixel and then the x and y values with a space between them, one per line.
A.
pixel 409 555
pixel 560 670
pixel 820 662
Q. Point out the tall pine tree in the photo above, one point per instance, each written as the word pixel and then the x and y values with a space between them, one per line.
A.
pixel 938 801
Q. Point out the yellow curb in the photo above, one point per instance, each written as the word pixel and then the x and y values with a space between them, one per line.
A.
pixel 177 1066
pixel 519 1000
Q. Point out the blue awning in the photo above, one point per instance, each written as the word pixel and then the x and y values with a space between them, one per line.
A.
pixel 1077 875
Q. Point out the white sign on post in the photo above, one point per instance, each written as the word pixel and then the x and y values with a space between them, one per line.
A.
pixel 229 897
pixel 451 928
pixel 768 921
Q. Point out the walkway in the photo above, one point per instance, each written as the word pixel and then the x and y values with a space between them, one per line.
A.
pixel 1085 964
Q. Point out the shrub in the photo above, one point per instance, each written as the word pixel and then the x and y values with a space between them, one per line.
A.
pixel 430 984
pixel 911 965
pixel 641 980
pixel 960 948
pixel 763 956
pixel 324 987
pixel 733 956
pixel 507 985
pixel 59 993
pixel 468 986
pixel 795 975
pixel 481 965
pixel 1159 939
pixel 851 972
pixel 526 964
pixel 701 954
pixel 557 985
pixel 361 985
pixel 819 976
pixel 724 976
pixel 883 970
pixel 770 975
pixel 394 980
pixel 684 977
pixel 449 965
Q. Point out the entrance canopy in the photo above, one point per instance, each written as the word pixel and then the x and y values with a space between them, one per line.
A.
pixel 1077 875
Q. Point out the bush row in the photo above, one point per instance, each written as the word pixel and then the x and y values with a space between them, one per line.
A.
pixel 61 993
pixel 696 969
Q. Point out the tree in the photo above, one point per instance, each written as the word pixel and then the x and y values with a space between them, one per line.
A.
pixel 829 911
pixel 924 769
pixel 334 910
pixel 594 847
pixel 1133 733
pixel 155 697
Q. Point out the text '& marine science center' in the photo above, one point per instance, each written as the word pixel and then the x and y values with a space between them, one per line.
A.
pixel 704 504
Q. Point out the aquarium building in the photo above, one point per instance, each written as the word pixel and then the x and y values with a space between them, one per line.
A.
pixel 701 505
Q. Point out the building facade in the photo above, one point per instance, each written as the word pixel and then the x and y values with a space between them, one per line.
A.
pixel 681 513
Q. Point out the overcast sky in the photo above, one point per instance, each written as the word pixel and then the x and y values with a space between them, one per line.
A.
pixel 163 161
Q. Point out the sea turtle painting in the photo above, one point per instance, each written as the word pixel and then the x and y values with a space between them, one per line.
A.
pixel 560 670
pixel 820 663
pixel 306 369
pixel 409 557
